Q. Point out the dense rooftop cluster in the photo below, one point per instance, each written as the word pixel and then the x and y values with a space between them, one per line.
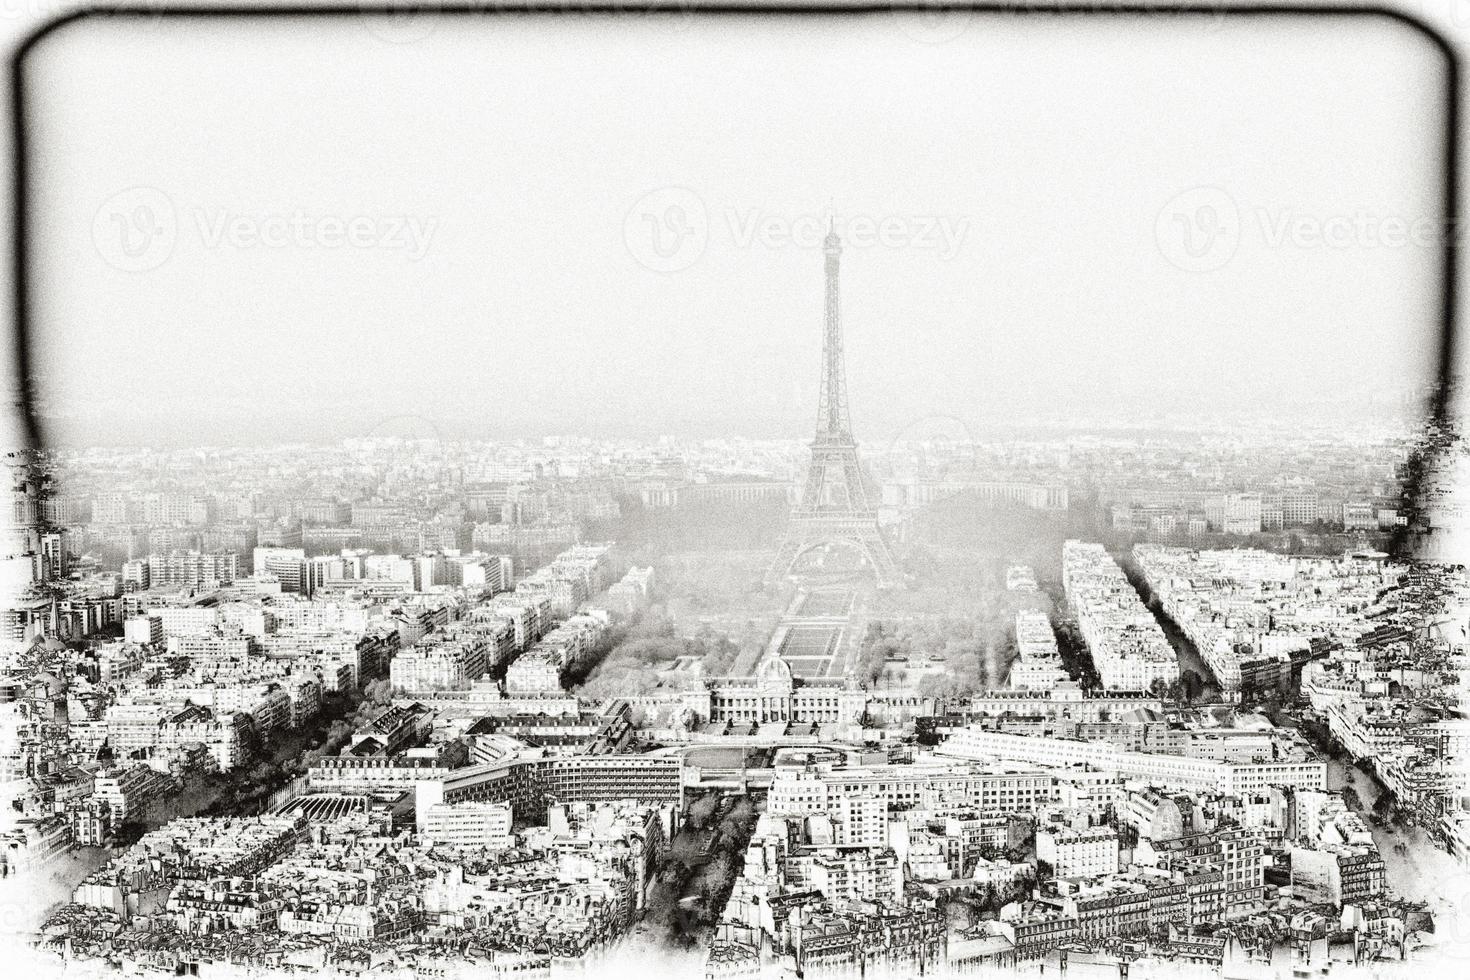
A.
pixel 336 717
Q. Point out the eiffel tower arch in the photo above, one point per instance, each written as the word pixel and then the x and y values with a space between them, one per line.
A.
pixel 837 505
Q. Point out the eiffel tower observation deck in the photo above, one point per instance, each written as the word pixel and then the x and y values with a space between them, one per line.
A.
pixel 837 505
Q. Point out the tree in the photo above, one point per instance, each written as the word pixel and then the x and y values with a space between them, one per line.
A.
pixel 701 810
pixel 959 915
pixel 1193 685
pixel 946 686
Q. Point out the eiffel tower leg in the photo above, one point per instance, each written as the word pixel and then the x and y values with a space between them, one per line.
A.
pixel 868 540
pixel 880 559
pixel 785 558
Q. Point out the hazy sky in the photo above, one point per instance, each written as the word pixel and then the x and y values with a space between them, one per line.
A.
pixel 287 228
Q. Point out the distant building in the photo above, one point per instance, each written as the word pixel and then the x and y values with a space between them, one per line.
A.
pixel 470 824
pixel 1078 853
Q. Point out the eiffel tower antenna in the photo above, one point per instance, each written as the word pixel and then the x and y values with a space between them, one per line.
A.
pixel 837 505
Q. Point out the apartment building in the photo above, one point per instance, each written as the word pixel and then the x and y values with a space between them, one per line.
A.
pixel 1180 772
pixel 469 824
pixel 816 789
pixel 1078 853
pixel 1128 648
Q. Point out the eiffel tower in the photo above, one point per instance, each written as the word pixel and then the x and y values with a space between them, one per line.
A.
pixel 837 504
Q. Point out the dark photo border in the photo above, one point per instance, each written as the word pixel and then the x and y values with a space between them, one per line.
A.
pixel 22 109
